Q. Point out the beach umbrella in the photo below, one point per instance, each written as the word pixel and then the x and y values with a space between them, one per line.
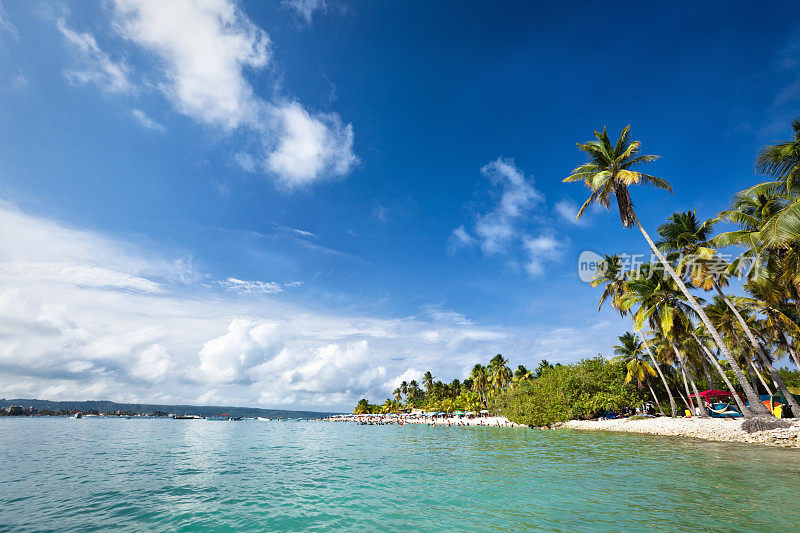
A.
pixel 459 413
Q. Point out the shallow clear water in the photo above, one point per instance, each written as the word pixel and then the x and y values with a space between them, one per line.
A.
pixel 98 474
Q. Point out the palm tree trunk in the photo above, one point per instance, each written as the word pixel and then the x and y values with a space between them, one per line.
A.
pixel 757 345
pixel 793 354
pixel 715 363
pixel 685 381
pixel 660 410
pixel 707 374
pixel 685 401
pixel 703 413
pixel 756 407
pixel 760 377
pixel 660 373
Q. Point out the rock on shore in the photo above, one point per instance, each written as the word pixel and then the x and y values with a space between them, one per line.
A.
pixel 715 429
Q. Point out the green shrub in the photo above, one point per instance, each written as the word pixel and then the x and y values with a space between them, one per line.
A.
pixel 582 390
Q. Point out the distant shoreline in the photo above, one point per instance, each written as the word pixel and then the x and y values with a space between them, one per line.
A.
pixel 36 407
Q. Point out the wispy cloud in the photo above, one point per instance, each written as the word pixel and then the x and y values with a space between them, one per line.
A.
pixel 295 231
pixel 146 121
pixel 305 9
pixel 497 228
pixel 5 23
pixel 541 250
pixel 256 287
pixel 505 229
pixel 567 210
pixel 94 65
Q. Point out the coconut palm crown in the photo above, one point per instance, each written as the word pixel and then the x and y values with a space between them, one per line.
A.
pixel 611 169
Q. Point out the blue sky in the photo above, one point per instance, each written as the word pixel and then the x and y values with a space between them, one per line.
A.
pixel 299 202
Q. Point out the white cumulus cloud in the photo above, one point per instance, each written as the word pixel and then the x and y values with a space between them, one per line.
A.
pixel 205 49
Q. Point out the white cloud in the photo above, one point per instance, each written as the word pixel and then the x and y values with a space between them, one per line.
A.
pixel 95 66
pixel 567 210
pixel 256 287
pixel 461 237
pixel 205 49
pixel 304 9
pixel 540 250
pixel 83 315
pixel 500 226
pixel 5 24
pixel 407 376
pixel 295 231
pixel 309 147
pixel 247 344
pixel 505 229
pixel 146 121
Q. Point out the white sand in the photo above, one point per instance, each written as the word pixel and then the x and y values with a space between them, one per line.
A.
pixel 716 429
pixel 488 421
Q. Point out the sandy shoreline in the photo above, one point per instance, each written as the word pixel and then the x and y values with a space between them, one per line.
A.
pixel 714 429
pixel 454 421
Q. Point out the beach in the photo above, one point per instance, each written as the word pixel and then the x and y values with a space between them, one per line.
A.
pixel 452 421
pixel 713 429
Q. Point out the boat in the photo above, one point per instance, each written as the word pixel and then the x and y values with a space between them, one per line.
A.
pixel 263 419
pixel 78 415
pixel 187 417
pixel 224 416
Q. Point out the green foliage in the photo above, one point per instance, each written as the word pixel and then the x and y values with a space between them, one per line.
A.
pixel 565 392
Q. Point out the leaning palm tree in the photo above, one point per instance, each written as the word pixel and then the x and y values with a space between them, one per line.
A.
pixel 615 278
pixel 684 234
pixel 629 352
pixel 404 388
pixel 662 306
pixel 611 169
pixel 397 394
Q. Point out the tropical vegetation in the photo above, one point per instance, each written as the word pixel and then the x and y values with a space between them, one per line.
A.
pixel 731 340
pixel 711 310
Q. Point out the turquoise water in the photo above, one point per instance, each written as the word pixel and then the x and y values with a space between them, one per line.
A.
pixel 137 475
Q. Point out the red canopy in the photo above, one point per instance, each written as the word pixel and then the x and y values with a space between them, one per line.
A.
pixel 712 393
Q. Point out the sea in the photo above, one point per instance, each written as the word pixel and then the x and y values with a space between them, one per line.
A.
pixel 103 474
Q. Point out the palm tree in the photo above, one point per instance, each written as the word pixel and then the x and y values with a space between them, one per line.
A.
pixel 362 407
pixel 615 277
pixel 683 233
pixel 413 390
pixel 662 306
pixel 480 381
pixel 612 275
pixel 427 381
pixel 499 373
pixel 404 388
pixel 782 161
pixel 629 352
pixel 397 394
pixel 611 169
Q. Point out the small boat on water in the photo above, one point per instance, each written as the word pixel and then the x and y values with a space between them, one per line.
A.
pixel 78 415
pixel 263 419
pixel 187 417
pixel 224 416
